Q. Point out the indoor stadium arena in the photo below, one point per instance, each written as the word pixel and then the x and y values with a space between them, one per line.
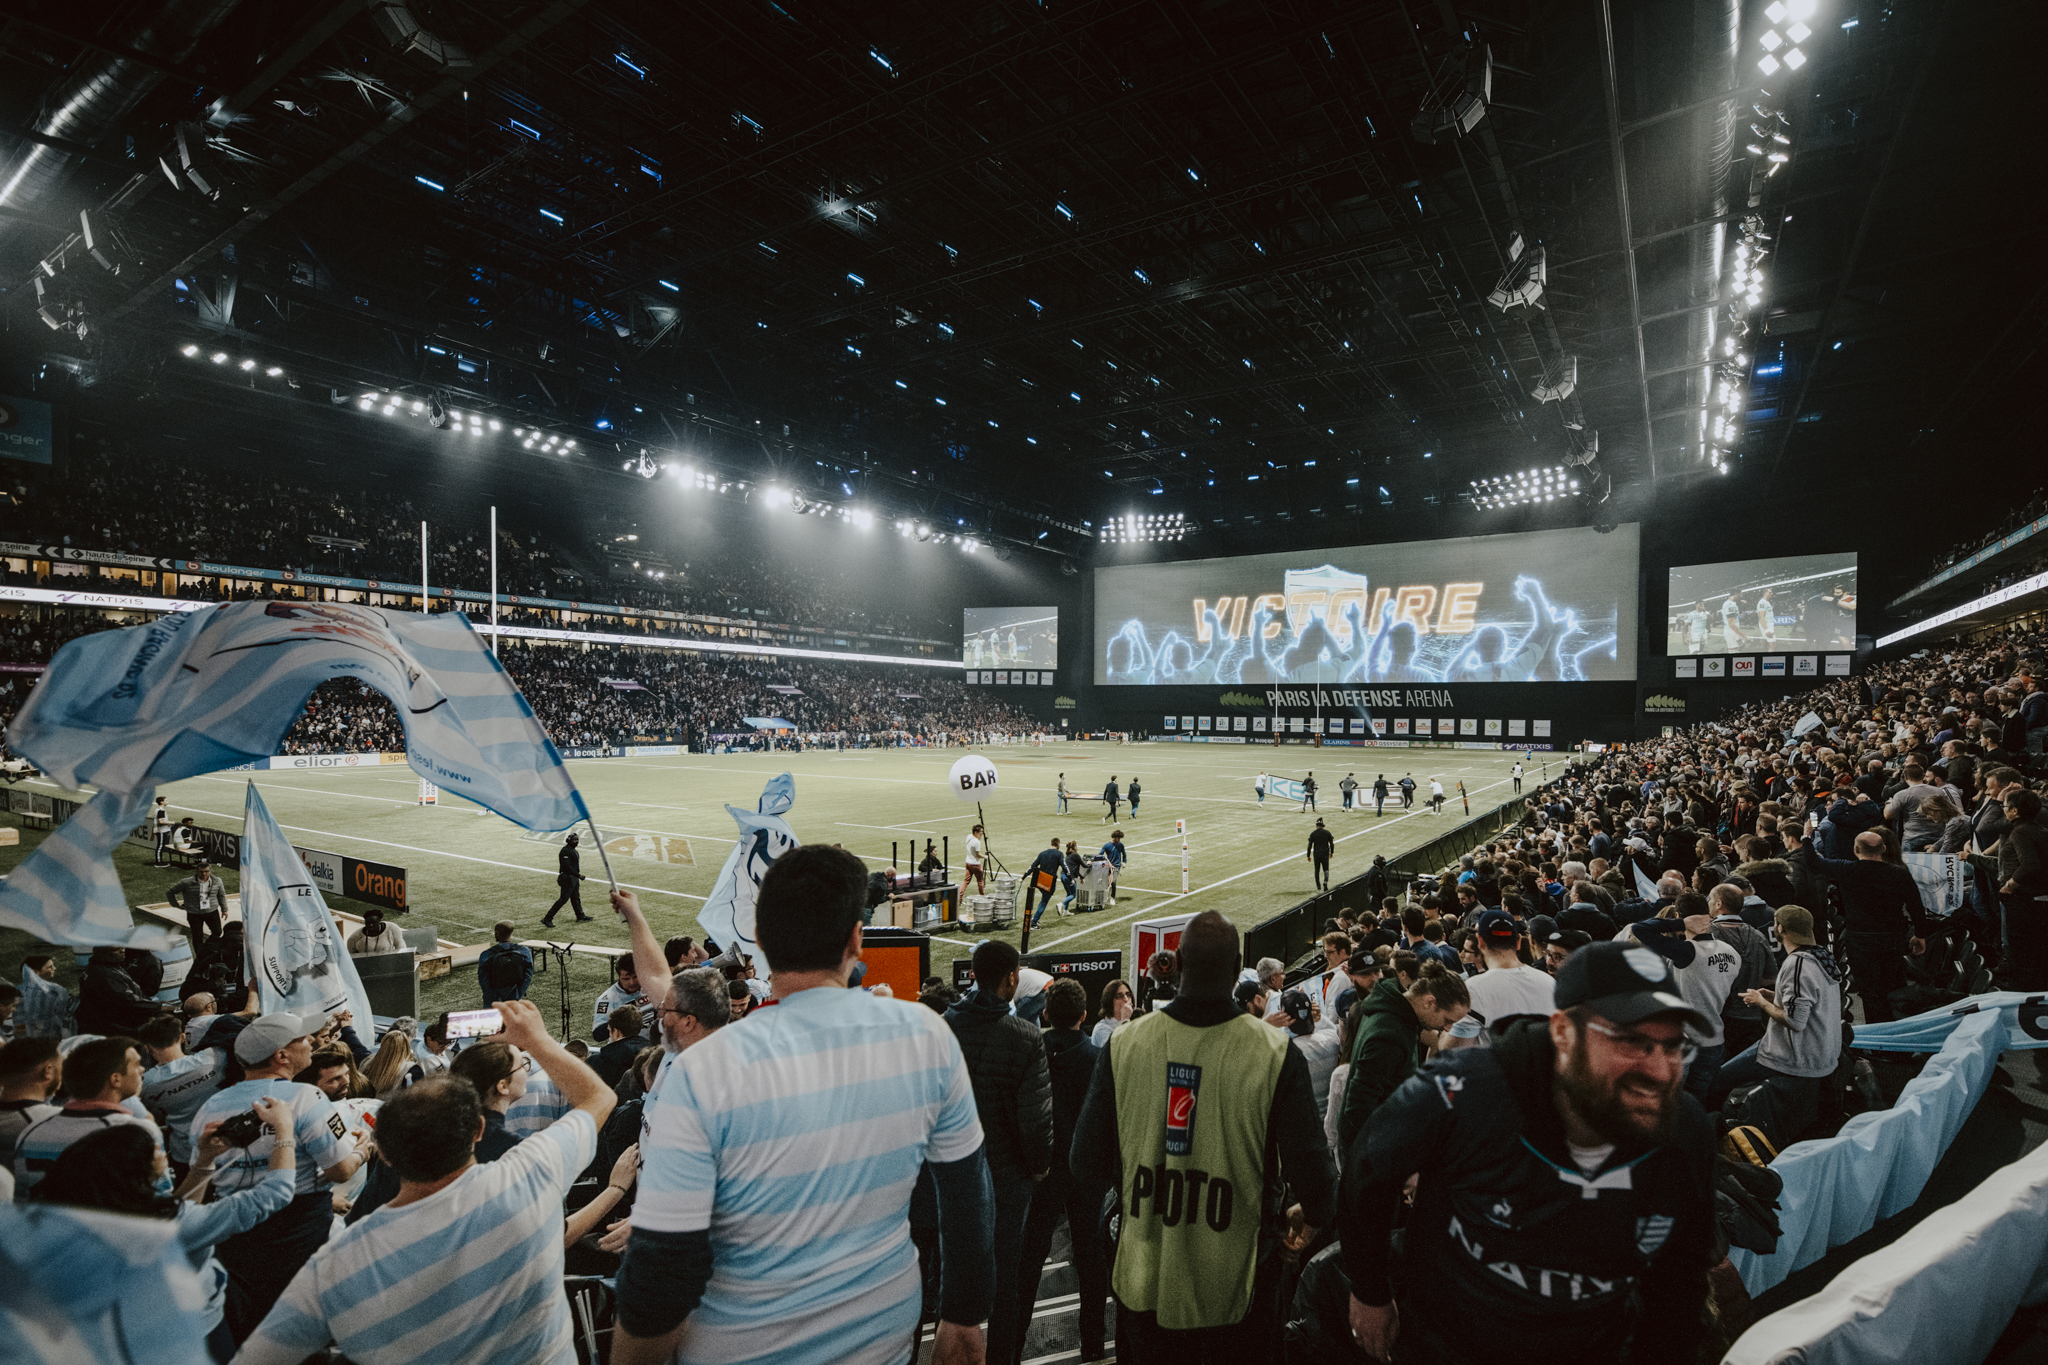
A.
pixel 1297 624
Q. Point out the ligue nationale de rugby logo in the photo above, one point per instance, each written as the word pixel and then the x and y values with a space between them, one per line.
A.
pixel 1183 1086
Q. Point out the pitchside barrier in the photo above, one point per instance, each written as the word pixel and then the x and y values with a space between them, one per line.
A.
pixel 1292 934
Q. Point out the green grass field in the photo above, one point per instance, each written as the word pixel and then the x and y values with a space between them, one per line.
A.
pixel 467 868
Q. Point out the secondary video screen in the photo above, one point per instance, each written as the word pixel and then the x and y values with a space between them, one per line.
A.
pixel 1545 606
pixel 998 637
pixel 1750 606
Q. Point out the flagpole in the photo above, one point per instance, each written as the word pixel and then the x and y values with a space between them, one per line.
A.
pixel 426 602
pixel 494 592
pixel 602 856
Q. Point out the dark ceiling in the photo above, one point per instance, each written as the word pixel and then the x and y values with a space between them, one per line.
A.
pixel 1030 265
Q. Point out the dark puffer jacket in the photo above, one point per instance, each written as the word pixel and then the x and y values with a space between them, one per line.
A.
pixel 109 1001
pixel 1012 1087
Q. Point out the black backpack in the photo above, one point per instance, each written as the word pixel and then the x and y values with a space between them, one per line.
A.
pixel 505 972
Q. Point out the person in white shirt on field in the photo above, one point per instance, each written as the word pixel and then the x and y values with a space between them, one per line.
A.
pixel 970 870
pixel 1505 989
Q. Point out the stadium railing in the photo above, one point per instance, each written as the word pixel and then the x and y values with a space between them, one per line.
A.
pixel 1292 934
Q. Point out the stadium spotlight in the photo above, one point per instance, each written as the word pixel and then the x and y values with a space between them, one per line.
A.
pixel 1458 95
pixel 923 533
pixel 188 349
pixel 219 357
pixel 274 371
pixel 773 498
pixel 1522 282
pixel 861 518
pixel 1560 383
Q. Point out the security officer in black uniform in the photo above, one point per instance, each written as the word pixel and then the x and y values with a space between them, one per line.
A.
pixel 1564 1205
pixel 568 879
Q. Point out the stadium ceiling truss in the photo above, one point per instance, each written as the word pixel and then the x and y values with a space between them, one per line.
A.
pixel 1039 260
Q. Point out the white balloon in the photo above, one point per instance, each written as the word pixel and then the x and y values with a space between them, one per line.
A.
pixel 972 778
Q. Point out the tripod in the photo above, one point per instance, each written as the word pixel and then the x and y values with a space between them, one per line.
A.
pixel 561 954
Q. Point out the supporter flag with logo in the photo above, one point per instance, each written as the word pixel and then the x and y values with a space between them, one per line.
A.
pixel 195 692
pixel 728 916
pixel 297 960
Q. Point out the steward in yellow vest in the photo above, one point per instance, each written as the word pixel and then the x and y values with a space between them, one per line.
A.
pixel 1204 1118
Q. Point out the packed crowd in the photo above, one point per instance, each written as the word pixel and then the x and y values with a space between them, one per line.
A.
pixel 1558 1069
pixel 112 498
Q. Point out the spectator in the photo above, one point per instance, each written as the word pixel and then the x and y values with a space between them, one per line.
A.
pixel 505 969
pixel 1390 1039
pixel 495 1290
pixel 2022 888
pixel 1013 1099
pixel 1885 916
pixel 109 1000
pixel 1802 1042
pixel 100 1076
pixel 377 935
pixel 430 1055
pixel 29 1071
pixel 176 1085
pixel 201 1011
pixel 622 992
pixel 333 1072
pixel 1742 1022
pixel 1317 1045
pixel 497 1071
pixel 120 1170
pixel 863 1294
pixel 1507 989
pixel 626 1041
pixel 1119 1002
pixel 1070 1062
pixel 262 1259
pixel 1535 1128
pixel 386 1070
pixel 1562 945
pixel 1174 1135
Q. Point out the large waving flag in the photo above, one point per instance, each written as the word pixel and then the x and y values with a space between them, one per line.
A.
pixel 297 962
pixel 78 1284
pixel 196 692
pixel 67 891
pixel 728 916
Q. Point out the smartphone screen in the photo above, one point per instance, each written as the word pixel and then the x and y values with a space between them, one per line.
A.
pixel 474 1023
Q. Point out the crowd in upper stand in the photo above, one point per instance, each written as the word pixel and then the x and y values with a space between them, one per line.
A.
pixel 112 498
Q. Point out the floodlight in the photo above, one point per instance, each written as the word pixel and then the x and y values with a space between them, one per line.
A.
pixel 188 349
pixel 1794 59
pixel 219 357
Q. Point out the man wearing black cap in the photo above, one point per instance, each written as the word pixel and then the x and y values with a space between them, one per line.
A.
pixel 1564 1210
pixel 1506 989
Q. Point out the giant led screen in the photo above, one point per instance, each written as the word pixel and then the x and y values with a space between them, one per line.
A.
pixel 1756 605
pixel 997 637
pixel 1541 606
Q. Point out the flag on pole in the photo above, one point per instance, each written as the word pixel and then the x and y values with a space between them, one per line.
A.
pixel 67 891
pixel 196 692
pixel 297 962
pixel 728 916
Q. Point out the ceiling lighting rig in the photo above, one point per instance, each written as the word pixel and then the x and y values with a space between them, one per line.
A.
pixel 1133 527
pixel 1528 486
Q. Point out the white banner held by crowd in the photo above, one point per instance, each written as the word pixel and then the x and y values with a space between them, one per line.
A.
pixel 297 960
pixel 1809 721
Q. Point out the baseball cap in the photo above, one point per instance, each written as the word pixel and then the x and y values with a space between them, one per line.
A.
pixel 1498 928
pixel 1624 982
pixel 1571 940
pixel 266 1034
pixel 1247 991
pixel 1294 1004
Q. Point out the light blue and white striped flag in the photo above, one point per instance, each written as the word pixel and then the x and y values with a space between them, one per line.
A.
pixel 47 1010
pixel 67 890
pixel 297 962
pixel 77 1284
pixel 197 692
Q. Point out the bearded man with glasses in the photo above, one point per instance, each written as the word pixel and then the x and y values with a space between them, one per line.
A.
pixel 1563 1198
